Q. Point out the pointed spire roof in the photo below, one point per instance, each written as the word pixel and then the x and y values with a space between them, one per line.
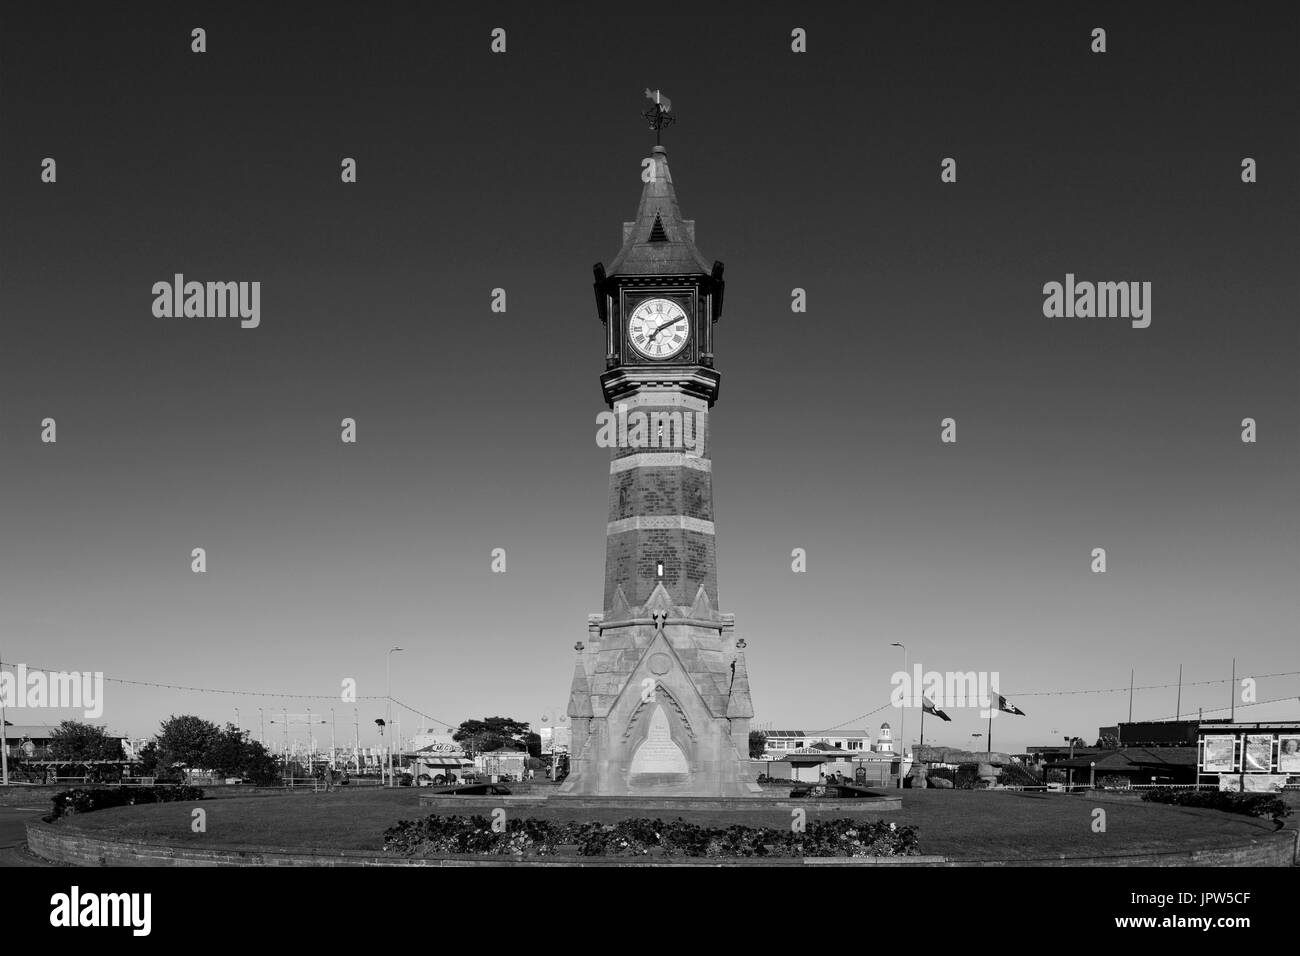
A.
pixel 579 691
pixel 702 609
pixel 659 241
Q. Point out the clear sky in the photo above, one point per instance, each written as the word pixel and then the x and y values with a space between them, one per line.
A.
pixel 476 430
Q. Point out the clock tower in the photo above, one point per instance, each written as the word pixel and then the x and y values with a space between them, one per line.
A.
pixel 659 703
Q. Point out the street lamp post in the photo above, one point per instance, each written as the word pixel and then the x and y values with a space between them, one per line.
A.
pixel 902 719
pixel 4 746
pixel 388 666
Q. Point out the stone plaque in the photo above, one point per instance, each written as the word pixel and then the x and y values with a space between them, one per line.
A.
pixel 658 754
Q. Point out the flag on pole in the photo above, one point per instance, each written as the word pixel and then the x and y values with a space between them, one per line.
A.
pixel 1006 706
pixel 664 102
pixel 928 707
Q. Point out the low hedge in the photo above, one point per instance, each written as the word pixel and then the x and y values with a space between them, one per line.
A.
pixel 89 799
pixel 641 837
pixel 1229 801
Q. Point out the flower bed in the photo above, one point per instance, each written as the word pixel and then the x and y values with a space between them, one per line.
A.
pixel 1250 804
pixel 88 799
pixel 436 835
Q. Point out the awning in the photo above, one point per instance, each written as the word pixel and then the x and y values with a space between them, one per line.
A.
pixel 443 761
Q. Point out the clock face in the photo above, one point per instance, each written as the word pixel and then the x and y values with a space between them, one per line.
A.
pixel 658 328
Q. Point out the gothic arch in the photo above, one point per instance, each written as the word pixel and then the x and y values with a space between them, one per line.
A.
pixel 660 692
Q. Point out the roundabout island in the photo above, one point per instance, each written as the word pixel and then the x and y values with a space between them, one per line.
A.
pixel 951 828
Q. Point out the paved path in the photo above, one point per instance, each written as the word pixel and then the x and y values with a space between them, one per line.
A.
pixel 13 836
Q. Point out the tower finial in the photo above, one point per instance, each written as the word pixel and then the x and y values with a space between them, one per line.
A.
pixel 660 114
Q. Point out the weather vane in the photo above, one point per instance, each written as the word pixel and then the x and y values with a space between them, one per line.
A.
pixel 659 115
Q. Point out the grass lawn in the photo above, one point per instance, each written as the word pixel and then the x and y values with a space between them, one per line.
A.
pixel 961 824
pixel 1016 825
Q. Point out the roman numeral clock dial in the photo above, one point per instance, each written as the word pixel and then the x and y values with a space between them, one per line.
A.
pixel 658 328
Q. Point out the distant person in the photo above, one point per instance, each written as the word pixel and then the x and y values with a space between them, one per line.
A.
pixel 330 774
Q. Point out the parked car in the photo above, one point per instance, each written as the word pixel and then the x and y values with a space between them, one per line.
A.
pixel 833 791
pixel 476 790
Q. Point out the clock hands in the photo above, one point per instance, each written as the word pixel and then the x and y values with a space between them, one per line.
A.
pixel 655 342
pixel 663 326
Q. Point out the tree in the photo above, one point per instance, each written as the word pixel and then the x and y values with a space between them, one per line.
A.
pixel 493 733
pixel 757 744
pixel 227 751
pixel 187 741
pixel 260 766
pixel 194 743
pixel 235 754
pixel 74 742
pixel 149 759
